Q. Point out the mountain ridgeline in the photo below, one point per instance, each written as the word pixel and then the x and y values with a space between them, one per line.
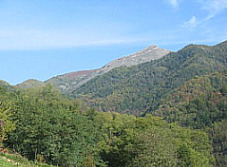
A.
pixel 67 83
pixel 139 89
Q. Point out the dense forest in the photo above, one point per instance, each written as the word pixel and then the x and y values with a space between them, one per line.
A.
pixel 170 112
pixel 44 126
pixel 201 103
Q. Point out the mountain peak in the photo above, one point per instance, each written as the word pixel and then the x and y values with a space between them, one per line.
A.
pixel 150 48
pixel 152 52
pixel 70 81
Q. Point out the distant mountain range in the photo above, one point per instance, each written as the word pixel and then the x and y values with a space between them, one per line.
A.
pixel 67 83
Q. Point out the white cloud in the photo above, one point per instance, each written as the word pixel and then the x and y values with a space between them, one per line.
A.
pixel 191 23
pixel 174 3
pixel 214 7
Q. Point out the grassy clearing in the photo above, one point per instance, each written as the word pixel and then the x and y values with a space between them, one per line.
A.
pixel 9 160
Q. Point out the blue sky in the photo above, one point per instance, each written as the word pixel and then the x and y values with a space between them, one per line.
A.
pixel 43 38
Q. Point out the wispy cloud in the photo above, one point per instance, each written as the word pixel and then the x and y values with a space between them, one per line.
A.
pixel 191 23
pixel 214 7
pixel 174 3
pixel 35 39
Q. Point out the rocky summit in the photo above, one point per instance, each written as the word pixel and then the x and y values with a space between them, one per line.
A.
pixel 69 82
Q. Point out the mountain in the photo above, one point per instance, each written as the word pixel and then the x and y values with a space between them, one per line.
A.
pixel 139 89
pixel 151 53
pixel 31 83
pixel 69 82
pixel 4 83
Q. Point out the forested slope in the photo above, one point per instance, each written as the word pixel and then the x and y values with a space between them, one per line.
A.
pixel 202 99
pixel 201 103
pixel 140 88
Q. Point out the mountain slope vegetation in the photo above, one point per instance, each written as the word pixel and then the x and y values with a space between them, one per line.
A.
pixel 202 98
pixel 201 103
pixel 31 83
pixel 140 88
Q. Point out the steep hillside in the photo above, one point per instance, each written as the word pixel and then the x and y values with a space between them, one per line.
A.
pixel 201 103
pixel 69 82
pixel 197 103
pixel 138 89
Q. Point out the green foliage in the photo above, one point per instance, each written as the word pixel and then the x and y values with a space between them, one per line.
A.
pixel 129 141
pixel 52 129
pixel 224 90
pixel 6 124
pixel 140 88
pixel 31 83
pixel 201 104
pixel 198 103
pixel 155 147
pixel 219 135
